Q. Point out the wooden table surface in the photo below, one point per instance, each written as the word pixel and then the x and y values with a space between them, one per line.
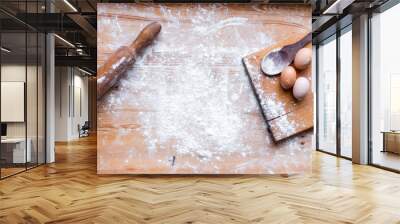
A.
pixel 187 105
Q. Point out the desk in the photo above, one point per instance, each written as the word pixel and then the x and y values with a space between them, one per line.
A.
pixel 391 141
pixel 17 151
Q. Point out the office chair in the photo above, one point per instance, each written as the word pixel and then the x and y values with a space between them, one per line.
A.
pixel 84 130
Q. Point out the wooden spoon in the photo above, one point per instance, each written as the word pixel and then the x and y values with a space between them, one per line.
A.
pixel 279 58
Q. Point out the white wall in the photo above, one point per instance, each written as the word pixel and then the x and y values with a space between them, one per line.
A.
pixel 62 81
pixel 80 109
pixel 13 101
pixel 33 127
pixel 70 84
pixel 16 72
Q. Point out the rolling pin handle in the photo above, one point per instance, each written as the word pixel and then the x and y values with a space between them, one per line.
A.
pixel 111 71
pixel 148 34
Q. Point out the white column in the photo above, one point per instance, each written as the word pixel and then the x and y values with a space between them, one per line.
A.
pixel 50 99
pixel 360 90
pixel 50 92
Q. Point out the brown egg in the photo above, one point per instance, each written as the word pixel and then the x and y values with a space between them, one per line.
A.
pixel 301 88
pixel 303 58
pixel 288 77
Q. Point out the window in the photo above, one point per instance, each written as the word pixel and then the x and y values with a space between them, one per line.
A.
pixel 327 96
pixel 346 92
pixel 385 89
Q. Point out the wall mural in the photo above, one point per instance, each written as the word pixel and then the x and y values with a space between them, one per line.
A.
pixel 204 89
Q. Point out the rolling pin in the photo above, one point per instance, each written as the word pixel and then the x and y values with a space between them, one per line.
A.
pixel 111 71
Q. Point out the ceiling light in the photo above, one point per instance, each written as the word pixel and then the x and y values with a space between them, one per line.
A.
pixel 84 71
pixel 5 50
pixel 70 5
pixel 64 40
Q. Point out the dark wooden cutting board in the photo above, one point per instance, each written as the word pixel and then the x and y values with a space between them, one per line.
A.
pixel 284 115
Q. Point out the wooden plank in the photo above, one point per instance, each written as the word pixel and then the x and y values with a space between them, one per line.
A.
pixel 188 99
pixel 285 115
pixel 301 118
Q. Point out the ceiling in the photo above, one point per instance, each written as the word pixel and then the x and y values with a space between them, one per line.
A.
pixel 74 21
pixel 332 15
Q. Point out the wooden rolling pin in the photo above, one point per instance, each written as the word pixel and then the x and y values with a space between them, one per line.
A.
pixel 123 58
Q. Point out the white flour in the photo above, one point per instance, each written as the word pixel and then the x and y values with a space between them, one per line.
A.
pixel 285 126
pixel 273 108
pixel 193 92
pixel 196 107
pixel 270 65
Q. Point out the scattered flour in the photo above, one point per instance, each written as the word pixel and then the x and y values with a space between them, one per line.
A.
pixel 285 126
pixel 272 107
pixel 193 90
pixel 195 105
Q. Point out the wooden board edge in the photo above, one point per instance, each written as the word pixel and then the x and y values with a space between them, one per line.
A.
pixel 275 125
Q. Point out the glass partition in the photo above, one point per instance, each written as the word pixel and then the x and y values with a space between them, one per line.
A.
pixel 23 89
pixel 13 94
pixel 327 96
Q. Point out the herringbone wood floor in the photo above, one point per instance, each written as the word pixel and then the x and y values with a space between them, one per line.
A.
pixel 69 191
